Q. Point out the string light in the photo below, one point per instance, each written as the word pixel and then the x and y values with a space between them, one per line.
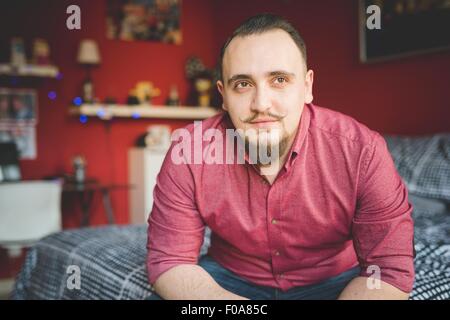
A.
pixel 52 95
pixel 101 113
pixel 83 118
pixel 77 101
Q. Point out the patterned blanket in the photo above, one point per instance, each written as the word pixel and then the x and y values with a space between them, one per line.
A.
pixel 112 266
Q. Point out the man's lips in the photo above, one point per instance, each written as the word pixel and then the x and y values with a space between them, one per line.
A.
pixel 263 121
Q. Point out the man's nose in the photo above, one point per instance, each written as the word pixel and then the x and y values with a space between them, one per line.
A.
pixel 261 101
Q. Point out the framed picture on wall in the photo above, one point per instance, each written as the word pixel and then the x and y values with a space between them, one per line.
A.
pixel 151 20
pixel 23 135
pixel 18 105
pixel 407 27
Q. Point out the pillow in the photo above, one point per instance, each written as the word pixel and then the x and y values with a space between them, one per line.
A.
pixel 423 163
pixel 431 220
pixel 432 205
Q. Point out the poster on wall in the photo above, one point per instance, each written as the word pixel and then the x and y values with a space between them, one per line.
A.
pixel 23 135
pixel 18 119
pixel 148 20
pixel 407 27
pixel 18 106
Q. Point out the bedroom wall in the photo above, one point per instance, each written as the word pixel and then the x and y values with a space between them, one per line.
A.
pixel 402 96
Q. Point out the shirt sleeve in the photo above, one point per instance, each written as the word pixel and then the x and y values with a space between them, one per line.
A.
pixel 175 228
pixel 383 229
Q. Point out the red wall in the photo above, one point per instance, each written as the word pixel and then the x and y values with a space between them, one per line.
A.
pixel 405 96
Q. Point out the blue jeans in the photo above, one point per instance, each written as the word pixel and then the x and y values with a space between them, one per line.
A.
pixel 326 290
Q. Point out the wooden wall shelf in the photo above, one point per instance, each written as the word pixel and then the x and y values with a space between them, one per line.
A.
pixel 29 70
pixel 106 112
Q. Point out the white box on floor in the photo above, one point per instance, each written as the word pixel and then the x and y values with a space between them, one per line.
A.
pixel 143 167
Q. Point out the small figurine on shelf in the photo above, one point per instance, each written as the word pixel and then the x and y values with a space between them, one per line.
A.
pixel 41 52
pixel 201 80
pixel 132 98
pixel 173 99
pixel 18 57
pixel 203 85
pixel 145 91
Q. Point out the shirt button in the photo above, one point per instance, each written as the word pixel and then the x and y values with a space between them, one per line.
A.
pixel 274 221
pixel 277 253
pixel 280 275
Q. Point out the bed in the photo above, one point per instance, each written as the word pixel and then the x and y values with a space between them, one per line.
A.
pixel 111 259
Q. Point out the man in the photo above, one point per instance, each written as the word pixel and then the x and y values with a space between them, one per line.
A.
pixel 328 218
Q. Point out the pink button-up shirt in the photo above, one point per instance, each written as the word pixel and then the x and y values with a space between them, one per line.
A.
pixel 338 202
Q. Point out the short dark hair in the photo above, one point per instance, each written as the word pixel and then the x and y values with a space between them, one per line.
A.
pixel 259 24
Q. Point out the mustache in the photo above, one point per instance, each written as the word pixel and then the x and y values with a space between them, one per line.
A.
pixel 267 115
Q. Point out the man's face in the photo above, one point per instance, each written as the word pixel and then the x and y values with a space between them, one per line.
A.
pixel 265 84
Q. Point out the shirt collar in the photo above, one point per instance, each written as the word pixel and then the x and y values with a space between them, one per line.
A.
pixel 301 133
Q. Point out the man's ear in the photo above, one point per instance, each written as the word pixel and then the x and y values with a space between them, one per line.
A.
pixel 309 79
pixel 221 90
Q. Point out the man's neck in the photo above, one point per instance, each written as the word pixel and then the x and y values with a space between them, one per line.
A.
pixel 270 172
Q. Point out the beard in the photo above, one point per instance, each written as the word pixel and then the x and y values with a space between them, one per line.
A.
pixel 262 148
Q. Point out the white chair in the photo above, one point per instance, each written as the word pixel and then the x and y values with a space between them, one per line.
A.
pixel 29 210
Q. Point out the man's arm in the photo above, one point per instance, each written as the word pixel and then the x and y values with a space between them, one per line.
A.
pixel 191 282
pixel 175 236
pixel 357 289
pixel 382 229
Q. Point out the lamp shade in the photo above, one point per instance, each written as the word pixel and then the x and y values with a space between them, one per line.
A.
pixel 88 52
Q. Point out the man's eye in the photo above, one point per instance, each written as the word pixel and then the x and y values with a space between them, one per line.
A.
pixel 242 85
pixel 280 80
